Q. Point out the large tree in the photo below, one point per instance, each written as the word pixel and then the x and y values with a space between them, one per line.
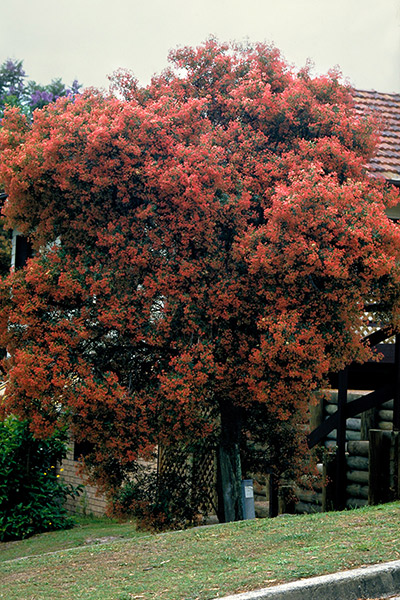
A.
pixel 204 246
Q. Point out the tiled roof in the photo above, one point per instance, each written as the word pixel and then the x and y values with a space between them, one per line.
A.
pixel 386 107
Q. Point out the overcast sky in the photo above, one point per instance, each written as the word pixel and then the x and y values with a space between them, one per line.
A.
pixel 89 39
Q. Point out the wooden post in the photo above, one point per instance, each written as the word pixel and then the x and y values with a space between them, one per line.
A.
pixel 317 413
pixel 286 500
pixel 395 465
pixel 229 473
pixel 341 467
pixel 379 466
pixel 396 403
pixel 328 478
pixel 368 421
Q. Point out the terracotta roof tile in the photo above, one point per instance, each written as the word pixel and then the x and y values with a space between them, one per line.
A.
pixel 386 107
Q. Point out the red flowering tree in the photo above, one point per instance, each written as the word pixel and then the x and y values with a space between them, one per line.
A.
pixel 27 95
pixel 204 246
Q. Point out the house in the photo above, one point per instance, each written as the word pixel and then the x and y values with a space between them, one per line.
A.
pixel 362 418
pixel 386 162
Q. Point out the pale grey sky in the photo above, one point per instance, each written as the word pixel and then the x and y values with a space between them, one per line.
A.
pixel 89 39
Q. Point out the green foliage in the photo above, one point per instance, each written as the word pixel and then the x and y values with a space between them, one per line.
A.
pixel 12 77
pixel 32 493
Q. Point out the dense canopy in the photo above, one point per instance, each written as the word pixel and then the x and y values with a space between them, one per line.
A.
pixel 204 245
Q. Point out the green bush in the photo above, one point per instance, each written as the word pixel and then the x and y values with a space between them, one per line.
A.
pixel 32 492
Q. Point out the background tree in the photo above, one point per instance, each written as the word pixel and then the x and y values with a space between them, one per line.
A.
pixel 205 246
pixel 12 86
pixel 16 90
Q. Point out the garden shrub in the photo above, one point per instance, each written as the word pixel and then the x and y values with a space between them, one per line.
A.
pixel 157 504
pixel 32 492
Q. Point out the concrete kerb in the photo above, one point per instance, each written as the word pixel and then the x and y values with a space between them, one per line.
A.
pixel 366 582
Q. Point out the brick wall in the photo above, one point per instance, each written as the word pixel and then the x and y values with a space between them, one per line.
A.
pixel 89 502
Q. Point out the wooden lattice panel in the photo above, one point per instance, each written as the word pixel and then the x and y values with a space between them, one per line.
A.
pixel 371 324
pixel 197 469
pixel 173 460
pixel 204 481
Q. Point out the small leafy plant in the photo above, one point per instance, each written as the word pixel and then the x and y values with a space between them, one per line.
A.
pixel 32 492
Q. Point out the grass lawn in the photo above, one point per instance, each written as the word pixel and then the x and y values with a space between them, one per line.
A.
pixel 88 530
pixel 197 564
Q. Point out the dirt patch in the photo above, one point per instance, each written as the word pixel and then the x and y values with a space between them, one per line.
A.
pixel 103 540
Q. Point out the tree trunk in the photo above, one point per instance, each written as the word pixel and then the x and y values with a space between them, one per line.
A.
pixel 273 510
pixel 229 473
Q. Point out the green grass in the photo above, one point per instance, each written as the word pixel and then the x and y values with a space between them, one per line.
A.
pixel 88 530
pixel 197 564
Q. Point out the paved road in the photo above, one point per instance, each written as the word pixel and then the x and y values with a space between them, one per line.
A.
pixel 365 582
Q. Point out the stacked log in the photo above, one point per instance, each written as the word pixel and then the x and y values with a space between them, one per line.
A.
pixel 385 416
pixel 312 497
pixel 357 474
pixel 309 493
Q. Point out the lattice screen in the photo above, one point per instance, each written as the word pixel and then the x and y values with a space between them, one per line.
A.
pixel 372 324
pixel 204 480
pixel 196 468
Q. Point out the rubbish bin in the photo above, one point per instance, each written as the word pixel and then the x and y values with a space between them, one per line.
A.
pixel 248 499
